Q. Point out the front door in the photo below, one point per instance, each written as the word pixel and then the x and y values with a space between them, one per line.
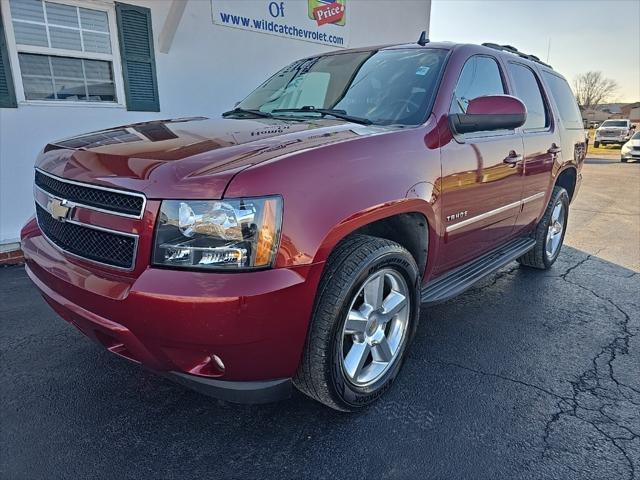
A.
pixel 481 174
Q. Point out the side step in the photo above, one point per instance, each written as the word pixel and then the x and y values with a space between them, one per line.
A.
pixel 461 278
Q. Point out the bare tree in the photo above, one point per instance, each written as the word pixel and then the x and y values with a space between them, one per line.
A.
pixel 592 88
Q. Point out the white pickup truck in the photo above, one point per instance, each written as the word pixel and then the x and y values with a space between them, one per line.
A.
pixel 613 132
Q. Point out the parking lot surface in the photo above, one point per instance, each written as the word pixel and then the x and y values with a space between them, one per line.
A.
pixel 528 375
pixel 605 218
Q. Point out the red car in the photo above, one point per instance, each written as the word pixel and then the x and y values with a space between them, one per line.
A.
pixel 294 240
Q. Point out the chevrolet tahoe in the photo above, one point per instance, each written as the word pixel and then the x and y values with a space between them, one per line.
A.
pixel 295 240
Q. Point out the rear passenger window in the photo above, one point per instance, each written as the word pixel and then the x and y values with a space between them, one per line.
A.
pixel 480 77
pixel 527 89
pixel 566 102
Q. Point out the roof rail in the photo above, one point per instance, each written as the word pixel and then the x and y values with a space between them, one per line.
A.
pixel 515 51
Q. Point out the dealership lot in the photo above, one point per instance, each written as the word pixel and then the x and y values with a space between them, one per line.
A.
pixel 528 375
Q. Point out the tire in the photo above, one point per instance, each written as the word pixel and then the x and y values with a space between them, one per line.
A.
pixel 596 144
pixel 623 160
pixel 539 256
pixel 322 373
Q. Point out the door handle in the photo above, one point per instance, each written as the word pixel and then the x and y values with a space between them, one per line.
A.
pixel 512 158
pixel 554 149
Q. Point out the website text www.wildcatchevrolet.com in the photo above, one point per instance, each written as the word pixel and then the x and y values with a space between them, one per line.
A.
pixel 271 26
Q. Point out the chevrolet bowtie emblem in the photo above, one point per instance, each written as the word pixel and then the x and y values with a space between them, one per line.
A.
pixel 58 209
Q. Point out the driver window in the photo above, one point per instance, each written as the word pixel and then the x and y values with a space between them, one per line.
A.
pixel 480 77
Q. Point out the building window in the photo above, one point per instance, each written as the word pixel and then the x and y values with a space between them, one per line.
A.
pixel 65 50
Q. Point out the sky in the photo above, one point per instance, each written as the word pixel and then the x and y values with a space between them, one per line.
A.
pixel 600 35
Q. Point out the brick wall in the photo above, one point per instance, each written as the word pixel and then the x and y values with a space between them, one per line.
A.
pixel 13 257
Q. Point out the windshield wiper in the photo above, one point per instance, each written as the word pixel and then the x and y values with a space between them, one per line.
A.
pixel 246 111
pixel 342 114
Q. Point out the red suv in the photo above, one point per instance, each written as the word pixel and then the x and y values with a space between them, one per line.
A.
pixel 294 240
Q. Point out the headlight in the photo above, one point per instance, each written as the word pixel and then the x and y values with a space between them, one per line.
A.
pixel 218 234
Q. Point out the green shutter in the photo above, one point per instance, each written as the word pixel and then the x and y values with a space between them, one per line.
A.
pixel 7 93
pixel 138 58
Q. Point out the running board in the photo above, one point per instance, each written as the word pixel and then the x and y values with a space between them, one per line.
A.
pixel 461 278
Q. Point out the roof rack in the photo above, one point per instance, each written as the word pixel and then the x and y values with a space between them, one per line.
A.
pixel 515 51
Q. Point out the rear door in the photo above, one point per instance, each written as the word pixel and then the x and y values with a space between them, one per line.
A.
pixel 481 181
pixel 542 143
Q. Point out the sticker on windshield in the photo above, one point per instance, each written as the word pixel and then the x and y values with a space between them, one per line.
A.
pixel 422 70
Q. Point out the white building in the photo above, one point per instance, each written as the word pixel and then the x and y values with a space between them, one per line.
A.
pixel 74 66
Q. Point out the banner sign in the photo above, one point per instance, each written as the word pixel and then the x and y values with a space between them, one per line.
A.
pixel 318 21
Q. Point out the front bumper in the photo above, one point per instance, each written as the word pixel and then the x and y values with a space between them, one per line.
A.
pixel 631 155
pixel 175 322
pixel 611 140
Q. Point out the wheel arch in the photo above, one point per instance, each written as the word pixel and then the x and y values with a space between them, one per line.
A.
pixel 408 222
pixel 567 179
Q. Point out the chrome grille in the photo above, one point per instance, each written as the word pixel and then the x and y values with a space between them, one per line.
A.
pixel 117 202
pixel 96 244
pixel 610 133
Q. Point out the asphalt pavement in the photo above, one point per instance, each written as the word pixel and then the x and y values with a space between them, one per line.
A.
pixel 528 375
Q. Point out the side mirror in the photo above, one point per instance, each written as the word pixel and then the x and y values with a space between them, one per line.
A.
pixel 493 112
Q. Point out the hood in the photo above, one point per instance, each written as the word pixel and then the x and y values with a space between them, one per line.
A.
pixel 621 129
pixel 187 158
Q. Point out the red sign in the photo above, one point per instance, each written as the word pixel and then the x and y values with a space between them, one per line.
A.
pixel 333 12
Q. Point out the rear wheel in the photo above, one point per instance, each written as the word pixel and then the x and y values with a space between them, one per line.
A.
pixel 549 233
pixel 596 144
pixel 366 313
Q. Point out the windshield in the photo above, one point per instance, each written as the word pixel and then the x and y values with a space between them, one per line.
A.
pixel 614 123
pixel 383 87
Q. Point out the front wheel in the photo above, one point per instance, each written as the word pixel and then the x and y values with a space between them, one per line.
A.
pixel 366 313
pixel 623 160
pixel 549 234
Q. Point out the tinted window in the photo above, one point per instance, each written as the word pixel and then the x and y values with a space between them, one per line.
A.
pixel 385 86
pixel 614 123
pixel 480 77
pixel 566 102
pixel 527 89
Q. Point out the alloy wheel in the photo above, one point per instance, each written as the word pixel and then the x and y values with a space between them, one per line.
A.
pixel 376 327
pixel 555 230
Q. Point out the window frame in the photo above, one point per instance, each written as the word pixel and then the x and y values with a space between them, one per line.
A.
pixel 543 94
pixel 114 57
pixel 506 91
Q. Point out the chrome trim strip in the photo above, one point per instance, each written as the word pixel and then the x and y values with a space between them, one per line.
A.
pixel 108 230
pixel 96 187
pixel 88 225
pixel 533 197
pixel 482 216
